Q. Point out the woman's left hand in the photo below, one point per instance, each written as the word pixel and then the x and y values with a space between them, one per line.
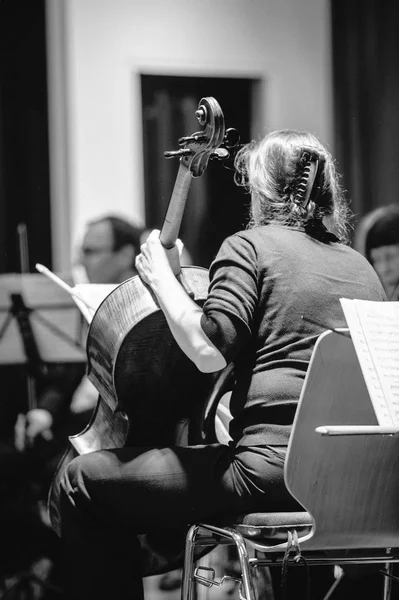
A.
pixel 155 261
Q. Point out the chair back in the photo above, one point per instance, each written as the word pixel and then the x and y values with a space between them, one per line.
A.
pixel 349 484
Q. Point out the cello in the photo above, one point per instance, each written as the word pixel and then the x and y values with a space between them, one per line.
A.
pixel 149 390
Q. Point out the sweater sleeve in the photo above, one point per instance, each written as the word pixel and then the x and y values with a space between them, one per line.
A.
pixel 230 308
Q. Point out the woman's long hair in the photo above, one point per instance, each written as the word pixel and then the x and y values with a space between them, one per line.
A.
pixel 293 181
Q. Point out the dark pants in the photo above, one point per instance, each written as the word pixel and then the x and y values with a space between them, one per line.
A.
pixel 110 497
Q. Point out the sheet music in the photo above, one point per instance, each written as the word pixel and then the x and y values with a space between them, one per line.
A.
pixel 87 296
pixel 374 327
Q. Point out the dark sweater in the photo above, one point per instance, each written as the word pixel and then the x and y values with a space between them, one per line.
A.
pixel 273 291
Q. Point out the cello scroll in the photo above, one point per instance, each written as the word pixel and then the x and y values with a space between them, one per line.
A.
pixel 199 147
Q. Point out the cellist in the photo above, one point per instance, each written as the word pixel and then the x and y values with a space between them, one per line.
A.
pixel 274 288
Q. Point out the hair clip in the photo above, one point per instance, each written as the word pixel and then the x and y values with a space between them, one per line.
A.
pixel 308 162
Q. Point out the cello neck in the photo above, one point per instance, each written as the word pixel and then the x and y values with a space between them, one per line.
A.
pixel 195 152
pixel 174 214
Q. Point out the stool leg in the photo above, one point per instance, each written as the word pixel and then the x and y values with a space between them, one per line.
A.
pixel 247 583
pixel 187 589
pixel 386 595
pixel 339 575
pixel 188 571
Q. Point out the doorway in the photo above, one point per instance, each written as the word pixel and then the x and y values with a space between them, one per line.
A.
pixel 216 207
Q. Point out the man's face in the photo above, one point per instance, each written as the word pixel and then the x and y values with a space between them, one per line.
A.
pixel 100 261
pixel 385 261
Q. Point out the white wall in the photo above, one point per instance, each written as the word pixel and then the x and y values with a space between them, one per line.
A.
pixel 103 47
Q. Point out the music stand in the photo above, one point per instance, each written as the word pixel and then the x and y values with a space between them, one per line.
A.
pixel 55 321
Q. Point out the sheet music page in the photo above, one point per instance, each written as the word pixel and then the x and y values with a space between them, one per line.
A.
pixel 380 322
pixel 87 296
pixel 358 324
pixel 90 296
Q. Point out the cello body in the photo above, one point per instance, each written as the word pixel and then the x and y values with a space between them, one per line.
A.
pixel 139 368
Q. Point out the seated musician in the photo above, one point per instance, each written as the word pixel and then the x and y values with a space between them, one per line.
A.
pixel 377 238
pixel 274 288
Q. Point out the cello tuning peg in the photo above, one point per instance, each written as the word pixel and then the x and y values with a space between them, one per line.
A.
pixel 231 138
pixel 173 153
pixel 191 138
pixel 220 153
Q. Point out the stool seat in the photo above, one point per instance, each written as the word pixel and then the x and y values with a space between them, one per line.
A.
pixel 271 528
pixel 265 528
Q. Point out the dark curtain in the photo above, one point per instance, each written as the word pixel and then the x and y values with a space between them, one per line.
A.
pixel 365 44
pixel 24 180
pixel 24 161
pixel 2 198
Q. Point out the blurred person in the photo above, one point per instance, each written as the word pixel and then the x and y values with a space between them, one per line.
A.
pixel 377 238
pixel 274 289
pixel 109 249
